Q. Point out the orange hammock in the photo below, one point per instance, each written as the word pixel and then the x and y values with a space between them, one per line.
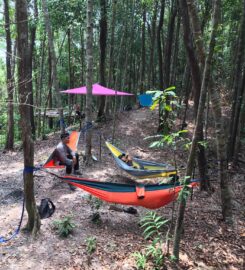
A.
pixel 148 196
pixel 74 138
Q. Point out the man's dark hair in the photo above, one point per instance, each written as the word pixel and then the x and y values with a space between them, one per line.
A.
pixel 121 156
pixel 64 135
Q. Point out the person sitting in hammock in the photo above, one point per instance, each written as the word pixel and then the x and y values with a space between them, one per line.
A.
pixel 127 159
pixel 65 156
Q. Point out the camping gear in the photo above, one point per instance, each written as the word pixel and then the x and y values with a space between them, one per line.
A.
pixel 142 168
pixel 145 100
pixel 51 164
pixel 148 196
pixel 97 90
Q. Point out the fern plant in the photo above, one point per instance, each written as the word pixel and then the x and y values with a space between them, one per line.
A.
pixel 154 251
pixel 91 244
pixel 64 226
pixel 95 205
pixel 152 224
pixel 141 260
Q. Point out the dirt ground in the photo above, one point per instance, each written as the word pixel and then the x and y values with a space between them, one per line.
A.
pixel 207 243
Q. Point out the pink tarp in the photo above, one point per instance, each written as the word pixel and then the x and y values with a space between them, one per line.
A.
pixel 98 90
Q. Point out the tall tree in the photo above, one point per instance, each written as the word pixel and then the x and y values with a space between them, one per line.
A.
pixel 204 89
pixel 196 84
pixel 103 38
pixel 89 79
pixel 142 63
pixel 53 63
pixel 151 78
pixel 9 145
pixel 24 77
pixel 33 30
pixel 237 96
pixel 159 45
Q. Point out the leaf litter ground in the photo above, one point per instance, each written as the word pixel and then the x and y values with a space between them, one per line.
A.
pixel 207 244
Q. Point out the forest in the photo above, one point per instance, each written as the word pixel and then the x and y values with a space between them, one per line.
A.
pixel 122 134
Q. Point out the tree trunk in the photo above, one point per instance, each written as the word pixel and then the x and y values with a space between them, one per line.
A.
pixel 226 200
pixel 24 76
pixel 197 32
pixel 103 37
pixel 89 78
pixel 70 71
pixel 169 45
pixel 142 65
pixel 196 83
pixel 9 144
pixel 206 76
pixel 111 53
pixel 241 120
pixel 236 99
pixel 151 77
pixel 53 59
pixel 32 47
pixel 39 85
pixel 159 45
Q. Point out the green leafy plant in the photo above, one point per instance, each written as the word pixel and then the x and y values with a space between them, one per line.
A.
pixel 91 244
pixel 64 226
pixel 171 139
pixel 94 202
pixel 152 224
pixel 168 103
pixel 141 260
pixel 185 191
pixel 154 251
pixel 95 205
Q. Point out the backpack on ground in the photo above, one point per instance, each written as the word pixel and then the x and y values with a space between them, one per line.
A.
pixel 46 208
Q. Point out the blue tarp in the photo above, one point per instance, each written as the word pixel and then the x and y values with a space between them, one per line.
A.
pixel 145 100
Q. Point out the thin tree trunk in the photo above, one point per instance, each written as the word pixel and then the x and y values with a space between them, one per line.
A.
pixel 39 86
pixel 24 76
pixel 239 117
pixel 195 68
pixel 142 65
pixel 32 48
pixel 226 199
pixel 206 77
pixel 111 53
pixel 9 144
pixel 169 45
pixel 236 99
pixel 152 49
pixel 103 38
pixel 89 78
pixel 159 45
pixel 53 59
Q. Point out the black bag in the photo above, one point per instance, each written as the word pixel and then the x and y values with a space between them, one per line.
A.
pixel 46 208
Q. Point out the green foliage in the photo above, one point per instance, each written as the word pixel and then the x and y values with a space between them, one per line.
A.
pixel 154 251
pixel 153 229
pixel 95 205
pixel 91 244
pixel 152 224
pixel 141 260
pixel 203 143
pixel 64 226
pixel 170 139
pixel 185 191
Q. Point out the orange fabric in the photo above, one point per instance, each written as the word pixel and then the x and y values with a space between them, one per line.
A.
pixel 74 137
pixel 152 199
pixel 140 191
